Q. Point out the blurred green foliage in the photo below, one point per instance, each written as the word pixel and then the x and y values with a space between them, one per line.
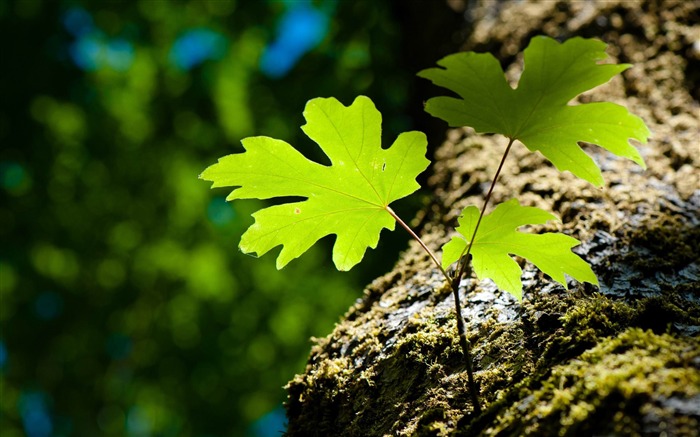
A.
pixel 125 306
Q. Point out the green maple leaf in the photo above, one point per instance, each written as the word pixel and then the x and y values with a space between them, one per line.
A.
pixel 497 239
pixel 536 112
pixel 350 198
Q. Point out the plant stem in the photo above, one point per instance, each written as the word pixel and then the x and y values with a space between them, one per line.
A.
pixel 465 258
pixel 466 346
pixel 454 284
pixel 462 266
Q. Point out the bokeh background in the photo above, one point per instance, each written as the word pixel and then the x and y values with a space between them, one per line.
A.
pixel 125 306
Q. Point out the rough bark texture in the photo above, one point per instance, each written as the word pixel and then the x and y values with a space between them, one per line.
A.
pixel 623 359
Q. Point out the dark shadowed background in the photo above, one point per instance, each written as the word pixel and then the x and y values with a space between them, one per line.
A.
pixel 126 308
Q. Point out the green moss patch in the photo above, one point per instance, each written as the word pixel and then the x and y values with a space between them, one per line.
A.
pixel 609 387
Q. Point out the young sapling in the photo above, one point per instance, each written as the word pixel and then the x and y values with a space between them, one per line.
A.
pixel 351 198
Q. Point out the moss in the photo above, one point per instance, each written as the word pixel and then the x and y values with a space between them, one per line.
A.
pixel 596 368
pixel 583 326
pixel 607 384
pixel 664 234
pixel 592 363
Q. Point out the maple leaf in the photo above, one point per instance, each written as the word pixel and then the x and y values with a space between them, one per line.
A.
pixel 536 112
pixel 349 198
pixel 498 238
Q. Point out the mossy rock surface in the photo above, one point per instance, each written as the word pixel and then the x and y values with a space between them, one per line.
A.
pixel 622 359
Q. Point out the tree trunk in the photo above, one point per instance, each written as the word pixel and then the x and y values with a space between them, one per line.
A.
pixel 622 359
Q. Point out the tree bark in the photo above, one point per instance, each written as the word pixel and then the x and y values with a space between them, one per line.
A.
pixel 621 359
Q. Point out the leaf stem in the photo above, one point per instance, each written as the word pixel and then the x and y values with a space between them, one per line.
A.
pixel 465 258
pixel 417 238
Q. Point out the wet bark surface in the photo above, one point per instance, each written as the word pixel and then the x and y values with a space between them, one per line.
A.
pixel 621 359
